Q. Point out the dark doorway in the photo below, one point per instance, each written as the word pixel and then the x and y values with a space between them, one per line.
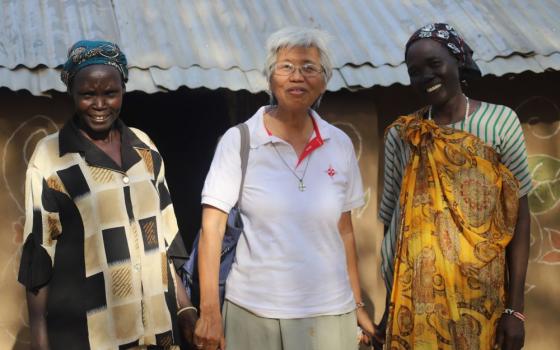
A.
pixel 185 126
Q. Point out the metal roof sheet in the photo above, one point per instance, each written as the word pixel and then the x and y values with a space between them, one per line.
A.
pixel 39 32
pixel 220 43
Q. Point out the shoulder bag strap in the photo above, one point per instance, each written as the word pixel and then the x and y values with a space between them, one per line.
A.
pixel 244 153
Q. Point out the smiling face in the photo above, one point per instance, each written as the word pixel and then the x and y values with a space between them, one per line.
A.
pixel 295 91
pixel 97 91
pixel 433 72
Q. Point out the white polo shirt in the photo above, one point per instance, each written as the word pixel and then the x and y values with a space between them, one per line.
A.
pixel 290 261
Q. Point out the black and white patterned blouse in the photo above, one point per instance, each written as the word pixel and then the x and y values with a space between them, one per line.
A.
pixel 103 238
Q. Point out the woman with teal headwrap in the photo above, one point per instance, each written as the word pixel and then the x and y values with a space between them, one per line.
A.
pixel 101 237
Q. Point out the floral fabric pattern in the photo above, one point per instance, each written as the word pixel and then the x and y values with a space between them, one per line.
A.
pixel 459 208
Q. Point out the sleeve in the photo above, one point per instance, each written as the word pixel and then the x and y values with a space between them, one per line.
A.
pixel 392 176
pixel 176 250
pixel 42 228
pixel 354 197
pixel 514 153
pixel 221 187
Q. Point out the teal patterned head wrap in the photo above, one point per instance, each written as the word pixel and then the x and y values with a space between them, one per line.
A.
pixel 86 53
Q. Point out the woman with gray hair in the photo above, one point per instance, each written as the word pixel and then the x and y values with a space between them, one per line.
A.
pixel 294 283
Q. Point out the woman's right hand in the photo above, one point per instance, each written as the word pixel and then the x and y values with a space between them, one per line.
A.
pixel 209 331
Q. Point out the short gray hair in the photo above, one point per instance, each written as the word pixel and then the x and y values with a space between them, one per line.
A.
pixel 289 37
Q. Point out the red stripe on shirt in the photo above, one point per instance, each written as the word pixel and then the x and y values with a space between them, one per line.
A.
pixel 312 145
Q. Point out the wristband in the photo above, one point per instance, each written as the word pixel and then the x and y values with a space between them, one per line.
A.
pixel 515 314
pixel 187 308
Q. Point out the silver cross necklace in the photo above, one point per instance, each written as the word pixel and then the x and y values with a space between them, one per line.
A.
pixel 301 185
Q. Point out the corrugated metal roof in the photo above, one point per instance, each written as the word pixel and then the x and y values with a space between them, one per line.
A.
pixel 220 43
pixel 39 32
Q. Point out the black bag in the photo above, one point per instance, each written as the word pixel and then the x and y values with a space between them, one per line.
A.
pixel 234 228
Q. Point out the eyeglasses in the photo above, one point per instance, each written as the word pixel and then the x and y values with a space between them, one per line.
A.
pixel 307 69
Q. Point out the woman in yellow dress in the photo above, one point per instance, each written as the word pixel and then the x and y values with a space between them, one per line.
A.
pixel 455 209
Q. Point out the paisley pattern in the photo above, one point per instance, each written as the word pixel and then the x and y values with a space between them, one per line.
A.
pixel 459 207
pixel 475 194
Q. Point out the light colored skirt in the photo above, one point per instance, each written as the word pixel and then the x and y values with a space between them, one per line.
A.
pixel 247 331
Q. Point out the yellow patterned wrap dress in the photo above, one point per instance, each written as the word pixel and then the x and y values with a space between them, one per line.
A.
pixel 459 210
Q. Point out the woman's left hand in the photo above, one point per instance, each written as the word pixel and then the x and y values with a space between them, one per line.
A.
pixel 371 335
pixel 510 334
pixel 365 323
pixel 187 321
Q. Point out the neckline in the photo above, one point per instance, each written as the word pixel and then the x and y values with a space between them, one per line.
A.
pixel 315 141
pixel 471 115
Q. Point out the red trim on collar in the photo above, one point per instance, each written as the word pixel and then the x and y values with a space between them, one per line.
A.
pixel 312 145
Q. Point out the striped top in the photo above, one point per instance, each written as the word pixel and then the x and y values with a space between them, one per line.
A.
pixel 496 125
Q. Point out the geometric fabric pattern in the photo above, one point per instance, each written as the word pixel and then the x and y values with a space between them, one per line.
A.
pixel 112 232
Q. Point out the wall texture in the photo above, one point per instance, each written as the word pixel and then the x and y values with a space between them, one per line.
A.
pixel 23 121
pixel 363 115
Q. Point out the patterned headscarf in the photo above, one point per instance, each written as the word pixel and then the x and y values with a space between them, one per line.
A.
pixel 86 53
pixel 446 35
